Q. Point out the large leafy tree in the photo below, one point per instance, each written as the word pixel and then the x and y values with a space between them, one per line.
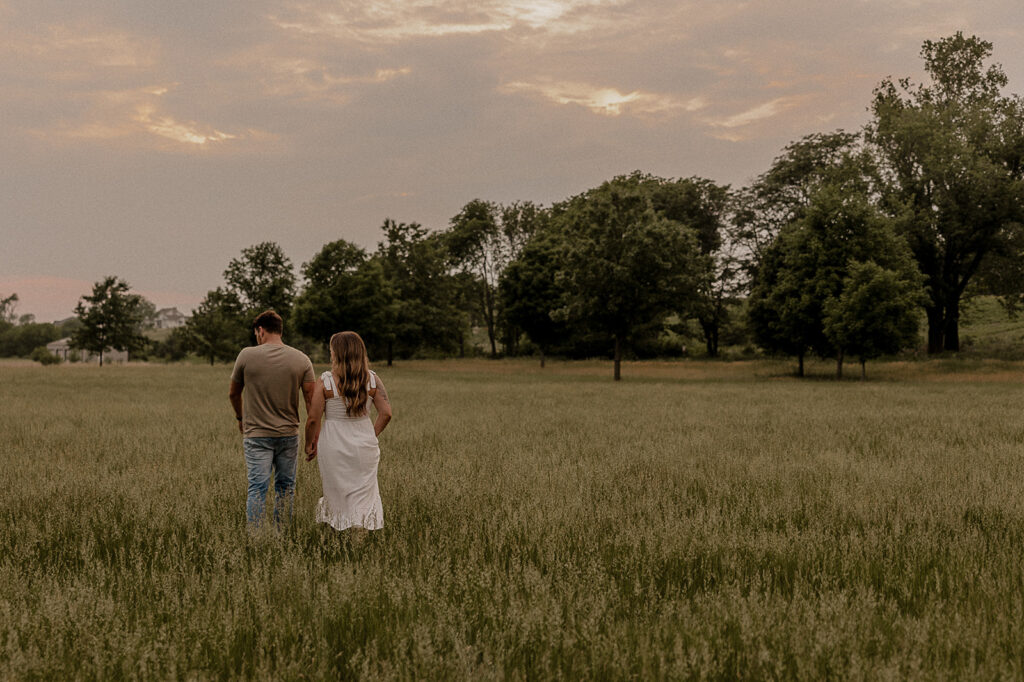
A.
pixel 627 266
pixel 217 329
pixel 952 151
pixel 530 292
pixel 421 290
pixel 703 205
pixel 345 290
pixel 782 194
pixel 482 240
pixel 111 318
pixel 808 265
pixel 477 246
pixel 261 278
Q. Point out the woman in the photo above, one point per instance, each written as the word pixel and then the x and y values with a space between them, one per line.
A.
pixel 346 446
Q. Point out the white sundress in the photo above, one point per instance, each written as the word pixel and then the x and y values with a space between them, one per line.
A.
pixel 348 454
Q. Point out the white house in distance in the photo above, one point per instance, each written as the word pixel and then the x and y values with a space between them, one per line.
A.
pixel 169 318
pixel 63 350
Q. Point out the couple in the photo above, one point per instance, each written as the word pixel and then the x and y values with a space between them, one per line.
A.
pixel 264 393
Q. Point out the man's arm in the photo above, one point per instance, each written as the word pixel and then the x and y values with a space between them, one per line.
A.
pixel 307 392
pixel 314 411
pixel 235 396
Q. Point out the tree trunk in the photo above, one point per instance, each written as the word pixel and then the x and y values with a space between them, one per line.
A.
pixel 934 313
pixel 101 357
pixel 800 365
pixel 391 352
pixel 863 369
pixel 211 361
pixel 839 364
pixel 618 357
pixel 951 327
pixel 542 358
pixel 710 338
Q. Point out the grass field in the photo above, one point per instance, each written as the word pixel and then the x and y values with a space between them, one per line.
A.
pixel 697 520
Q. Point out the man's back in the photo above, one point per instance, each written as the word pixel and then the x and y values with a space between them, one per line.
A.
pixel 271 375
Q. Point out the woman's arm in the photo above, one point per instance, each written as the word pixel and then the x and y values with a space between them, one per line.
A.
pixel 383 405
pixel 313 416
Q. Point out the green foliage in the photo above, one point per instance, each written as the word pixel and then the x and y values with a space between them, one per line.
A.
pixel 111 317
pixel 22 339
pixel 218 328
pixel 530 291
pixel 626 265
pixel 482 240
pixel 7 308
pixel 44 357
pixel 423 313
pixel 953 158
pixel 345 290
pixel 877 311
pixel 175 346
pixel 809 264
pixel 781 195
pixel 538 526
pixel 262 279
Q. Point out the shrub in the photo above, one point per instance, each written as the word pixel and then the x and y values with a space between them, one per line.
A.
pixel 43 356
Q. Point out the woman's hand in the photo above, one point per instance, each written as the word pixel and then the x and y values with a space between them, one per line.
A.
pixel 310 451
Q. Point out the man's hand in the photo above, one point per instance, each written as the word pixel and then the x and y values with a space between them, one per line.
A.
pixel 310 451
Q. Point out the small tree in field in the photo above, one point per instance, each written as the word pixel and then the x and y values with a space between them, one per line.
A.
pixel 217 329
pixel 876 314
pixel 111 318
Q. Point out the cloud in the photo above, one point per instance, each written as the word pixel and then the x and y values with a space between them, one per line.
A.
pixel 79 51
pixel 605 100
pixel 397 20
pixel 136 114
pixel 307 75
pixel 755 114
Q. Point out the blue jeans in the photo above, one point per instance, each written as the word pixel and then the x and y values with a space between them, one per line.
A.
pixel 262 455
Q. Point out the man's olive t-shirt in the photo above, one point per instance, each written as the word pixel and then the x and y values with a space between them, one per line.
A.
pixel 271 376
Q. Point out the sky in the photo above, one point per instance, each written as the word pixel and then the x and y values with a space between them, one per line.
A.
pixel 155 140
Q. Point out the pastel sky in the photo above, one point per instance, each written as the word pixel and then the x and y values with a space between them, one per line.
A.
pixel 155 140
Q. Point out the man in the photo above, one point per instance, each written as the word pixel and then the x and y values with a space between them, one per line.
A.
pixel 264 393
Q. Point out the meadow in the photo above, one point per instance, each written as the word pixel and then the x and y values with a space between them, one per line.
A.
pixel 694 521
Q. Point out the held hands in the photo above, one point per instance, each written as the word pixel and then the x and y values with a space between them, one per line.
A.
pixel 310 450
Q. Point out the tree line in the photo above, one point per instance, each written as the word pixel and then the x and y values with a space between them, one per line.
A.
pixel 837 250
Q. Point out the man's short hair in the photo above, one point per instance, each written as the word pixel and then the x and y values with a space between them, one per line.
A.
pixel 270 322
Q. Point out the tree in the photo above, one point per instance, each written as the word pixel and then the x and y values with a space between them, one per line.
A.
pixel 952 152
pixel 626 265
pixel 702 205
pixel 344 289
pixel 422 291
pixel 781 195
pixel 111 318
pixel 262 279
pixel 808 264
pixel 7 309
pixel 876 313
pixel 477 246
pixel 530 292
pixel 22 339
pixel 217 329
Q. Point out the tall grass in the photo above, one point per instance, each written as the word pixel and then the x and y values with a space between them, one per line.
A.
pixel 538 525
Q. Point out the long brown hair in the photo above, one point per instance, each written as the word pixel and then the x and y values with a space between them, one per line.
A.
pixel 352 367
